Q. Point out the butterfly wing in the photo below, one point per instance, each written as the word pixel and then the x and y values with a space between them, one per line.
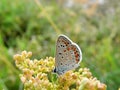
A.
pixel 68 55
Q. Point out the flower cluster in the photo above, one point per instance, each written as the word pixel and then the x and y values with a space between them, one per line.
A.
pixel 37 75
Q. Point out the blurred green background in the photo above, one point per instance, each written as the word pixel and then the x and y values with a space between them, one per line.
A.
pixel 34 25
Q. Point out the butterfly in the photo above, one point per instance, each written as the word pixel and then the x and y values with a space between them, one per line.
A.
pixel 68 55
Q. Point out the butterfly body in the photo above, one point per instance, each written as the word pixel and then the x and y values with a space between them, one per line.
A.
pixel 68 55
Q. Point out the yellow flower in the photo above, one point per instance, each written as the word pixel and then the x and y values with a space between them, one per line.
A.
pixel 37 75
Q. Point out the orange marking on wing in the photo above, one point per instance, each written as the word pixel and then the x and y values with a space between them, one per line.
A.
pixel 65 42
pixel 77 60
pixel 75 52
pixel 74 49
pixel 77 55
pixel 68 48
pixel 64 50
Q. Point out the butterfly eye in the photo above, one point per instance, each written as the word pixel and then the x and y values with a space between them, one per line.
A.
pixel 54 70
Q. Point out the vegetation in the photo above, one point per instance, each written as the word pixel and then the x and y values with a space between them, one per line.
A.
pixel 37 75
pixel 32 26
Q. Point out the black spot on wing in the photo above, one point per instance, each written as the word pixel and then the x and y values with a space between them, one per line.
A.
pixel 62 45
pixel 59 53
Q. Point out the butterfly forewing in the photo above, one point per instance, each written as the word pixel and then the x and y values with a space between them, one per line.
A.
pixel 68 55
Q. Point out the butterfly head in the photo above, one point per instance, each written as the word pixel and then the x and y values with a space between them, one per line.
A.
pixel 57 71
pixel 54 70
